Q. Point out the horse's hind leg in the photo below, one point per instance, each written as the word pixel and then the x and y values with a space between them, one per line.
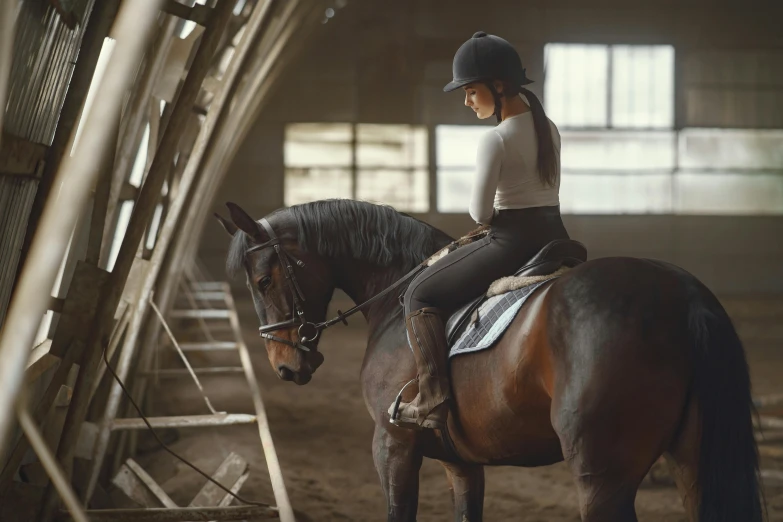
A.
pixel 683 460
pixel 466 482
pixel 604 496
pixel 612 431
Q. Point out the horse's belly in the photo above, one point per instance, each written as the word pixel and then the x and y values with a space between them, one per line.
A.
pixel 510 440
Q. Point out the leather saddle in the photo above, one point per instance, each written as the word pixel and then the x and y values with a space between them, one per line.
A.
pixel 556 254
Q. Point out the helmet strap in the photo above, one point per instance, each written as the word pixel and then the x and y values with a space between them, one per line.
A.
pixel 498 101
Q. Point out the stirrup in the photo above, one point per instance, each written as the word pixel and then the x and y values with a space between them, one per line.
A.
pixel 396 410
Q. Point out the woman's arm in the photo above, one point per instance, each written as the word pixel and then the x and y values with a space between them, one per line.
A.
pixel 489 158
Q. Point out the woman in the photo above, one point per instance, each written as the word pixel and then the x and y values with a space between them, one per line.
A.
pixel 515 193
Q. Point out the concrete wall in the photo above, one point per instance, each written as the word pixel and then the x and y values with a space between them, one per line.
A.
pixel 386 62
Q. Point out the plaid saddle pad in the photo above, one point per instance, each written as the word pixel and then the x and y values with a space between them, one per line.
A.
pixel 494 316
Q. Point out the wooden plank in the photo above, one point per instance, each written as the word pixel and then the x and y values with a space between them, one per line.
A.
pixel 265 434
pixel 227 474
pixel 44 404
pixel 86 441
pixel 206 347
pixel 203 313
pixel 176 372
pixel 130 484
pixel 176 60
pixel 153 486
pixel 59 483
pixel 227 499
pixel 52 428
pixel 39 352
pixel 186 421
pixel 178 515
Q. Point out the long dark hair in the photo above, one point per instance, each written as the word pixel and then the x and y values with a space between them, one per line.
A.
pixel 547 154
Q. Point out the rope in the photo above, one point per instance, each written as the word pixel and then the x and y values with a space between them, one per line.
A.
pixel 165 447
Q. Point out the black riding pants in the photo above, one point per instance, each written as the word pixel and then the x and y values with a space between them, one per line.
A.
pixel 516 235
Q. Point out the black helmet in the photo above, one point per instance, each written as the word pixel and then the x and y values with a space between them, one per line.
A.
pixel 486 57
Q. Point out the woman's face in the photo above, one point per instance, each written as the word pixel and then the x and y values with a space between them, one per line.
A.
pixel 479 98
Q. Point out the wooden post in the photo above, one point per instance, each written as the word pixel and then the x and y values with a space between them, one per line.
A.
pixel 272 463
pixel 101 201
pixel 192 170
pixel 131 29
pixel 142 212
pixel 39 272
pixel 132 126
pixel 59 481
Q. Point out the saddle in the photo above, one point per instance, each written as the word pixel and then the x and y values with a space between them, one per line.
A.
pixel 555 255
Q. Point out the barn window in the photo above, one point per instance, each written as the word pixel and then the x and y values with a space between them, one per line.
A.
pixel 610 86
pixel 692 171
pixel 379 163
pixel 456 164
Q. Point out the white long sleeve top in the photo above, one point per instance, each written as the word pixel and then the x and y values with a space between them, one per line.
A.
pixel 507 170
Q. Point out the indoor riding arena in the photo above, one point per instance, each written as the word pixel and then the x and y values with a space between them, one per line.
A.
pixel 196 194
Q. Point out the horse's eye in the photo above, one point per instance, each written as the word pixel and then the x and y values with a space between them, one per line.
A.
pixel 265 282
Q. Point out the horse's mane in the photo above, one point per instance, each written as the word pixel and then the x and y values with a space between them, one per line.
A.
pixel 345 228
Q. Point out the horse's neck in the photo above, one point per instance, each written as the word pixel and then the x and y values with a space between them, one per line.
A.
pixel 361 281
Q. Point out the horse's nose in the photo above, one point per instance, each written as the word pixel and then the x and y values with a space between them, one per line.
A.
pixel 285 373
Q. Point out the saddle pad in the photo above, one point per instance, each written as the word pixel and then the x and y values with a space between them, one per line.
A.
pixel 494 316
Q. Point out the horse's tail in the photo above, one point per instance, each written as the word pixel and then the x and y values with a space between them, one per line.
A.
pixel 728 475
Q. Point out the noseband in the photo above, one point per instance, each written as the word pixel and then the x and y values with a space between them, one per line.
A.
pixel 308 331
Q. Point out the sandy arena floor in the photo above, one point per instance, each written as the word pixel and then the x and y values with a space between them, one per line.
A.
pixel 322 434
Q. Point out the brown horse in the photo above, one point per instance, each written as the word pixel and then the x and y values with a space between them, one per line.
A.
pixel 610 366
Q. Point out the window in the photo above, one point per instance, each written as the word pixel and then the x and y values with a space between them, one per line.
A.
pixel 390 162
pixel 694 171
pixel 614 105
pixel 610 86
pixel 456 161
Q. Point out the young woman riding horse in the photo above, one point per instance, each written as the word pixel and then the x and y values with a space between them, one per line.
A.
pixel 608 367
pixel 515 192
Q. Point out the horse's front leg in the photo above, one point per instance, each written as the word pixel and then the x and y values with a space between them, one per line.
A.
pixel 398 463
pixel 466 482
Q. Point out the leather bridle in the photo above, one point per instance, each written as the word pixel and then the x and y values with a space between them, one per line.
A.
pixel 308 331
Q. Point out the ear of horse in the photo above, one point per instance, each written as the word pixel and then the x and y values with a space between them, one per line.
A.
pixel 227 225
pixel 245 223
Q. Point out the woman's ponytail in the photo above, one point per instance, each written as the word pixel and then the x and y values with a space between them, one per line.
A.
pixel 547 154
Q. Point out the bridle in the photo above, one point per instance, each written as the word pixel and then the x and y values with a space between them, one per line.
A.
pixel 308 331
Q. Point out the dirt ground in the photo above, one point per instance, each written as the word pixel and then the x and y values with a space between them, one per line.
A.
pixel 323 434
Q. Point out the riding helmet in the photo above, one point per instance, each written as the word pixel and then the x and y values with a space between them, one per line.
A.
pixel 486 57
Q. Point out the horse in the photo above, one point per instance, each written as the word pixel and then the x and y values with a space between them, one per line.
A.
pixel 609 366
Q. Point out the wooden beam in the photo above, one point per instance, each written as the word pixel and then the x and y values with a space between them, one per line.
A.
pixel 184 421
pixel 58 480
pixel 153 486
pixel 272 462
pixel 178 515
pixel 130 30
pixel 172 222
pixel 132 127
pixel 228 474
